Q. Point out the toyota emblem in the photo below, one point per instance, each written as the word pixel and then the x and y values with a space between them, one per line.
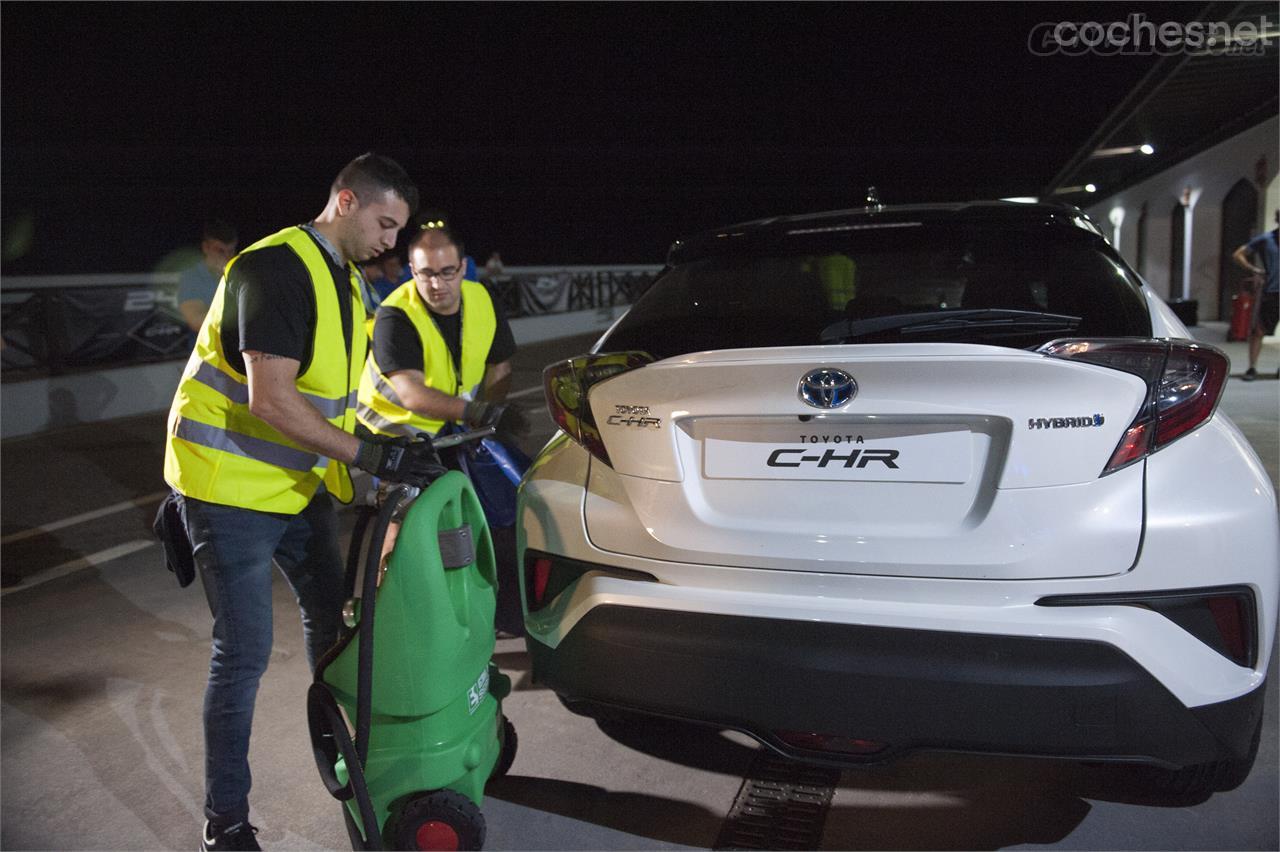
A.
pixel 827 388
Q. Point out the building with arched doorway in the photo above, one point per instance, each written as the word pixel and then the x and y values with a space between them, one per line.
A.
pixel 1184 170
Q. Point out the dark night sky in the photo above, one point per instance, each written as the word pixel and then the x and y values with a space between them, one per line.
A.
pixel 552 133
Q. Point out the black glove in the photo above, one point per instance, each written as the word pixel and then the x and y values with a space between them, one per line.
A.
pixel 400 460
pixel 506 419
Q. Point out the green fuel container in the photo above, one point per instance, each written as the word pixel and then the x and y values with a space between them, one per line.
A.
pixel 436 720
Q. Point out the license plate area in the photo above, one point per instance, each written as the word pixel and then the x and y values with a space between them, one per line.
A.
pixel 865 449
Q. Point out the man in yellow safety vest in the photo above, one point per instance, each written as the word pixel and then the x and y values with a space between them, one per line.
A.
pixel 441 354
pixel 260 435
pixel 441 349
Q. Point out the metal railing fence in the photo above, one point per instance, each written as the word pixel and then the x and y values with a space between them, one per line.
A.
pixel 55 324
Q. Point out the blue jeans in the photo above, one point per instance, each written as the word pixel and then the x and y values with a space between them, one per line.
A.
pixel 234 549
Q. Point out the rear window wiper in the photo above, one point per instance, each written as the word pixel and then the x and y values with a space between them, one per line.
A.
pixel 920 323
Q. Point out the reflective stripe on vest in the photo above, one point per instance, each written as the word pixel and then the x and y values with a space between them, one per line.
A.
pixel 219 451
pixel 381 409
pixel 248 446
pixel 373 419
pixel 238 391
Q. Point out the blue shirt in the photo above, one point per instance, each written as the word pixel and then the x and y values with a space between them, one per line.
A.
pixel 1264 247
pixel 386 286
pixel 197 282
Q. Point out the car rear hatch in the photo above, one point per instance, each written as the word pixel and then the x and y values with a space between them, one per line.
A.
pixel 947 460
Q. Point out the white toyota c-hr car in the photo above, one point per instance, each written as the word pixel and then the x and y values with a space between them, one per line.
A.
pixel 920 477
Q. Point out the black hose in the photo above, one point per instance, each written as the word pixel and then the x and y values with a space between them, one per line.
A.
pixel 322 711
pixel 324 738
pixel 355 774
pixel 363 516
pixel 368 598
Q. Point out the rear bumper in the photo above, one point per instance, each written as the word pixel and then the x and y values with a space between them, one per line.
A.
pixel 908 689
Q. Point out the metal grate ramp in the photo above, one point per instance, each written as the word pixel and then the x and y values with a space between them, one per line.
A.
pixel 782 805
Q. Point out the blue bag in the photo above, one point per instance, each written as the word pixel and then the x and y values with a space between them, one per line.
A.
pixel 495 470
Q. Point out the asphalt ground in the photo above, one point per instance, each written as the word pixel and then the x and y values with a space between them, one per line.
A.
pixel 102 671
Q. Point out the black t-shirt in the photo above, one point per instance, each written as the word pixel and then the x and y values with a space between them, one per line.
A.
pixel 396 345
pixel 270 306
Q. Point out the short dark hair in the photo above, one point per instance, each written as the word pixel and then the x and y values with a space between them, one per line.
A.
pixel 220 230
pixel 431 227
pixel 370 175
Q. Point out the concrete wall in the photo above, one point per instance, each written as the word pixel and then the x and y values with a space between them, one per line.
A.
pixel 1212 173
pixel 40 405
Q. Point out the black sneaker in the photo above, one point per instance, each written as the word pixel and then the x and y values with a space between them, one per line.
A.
pixel 1250 374
pixel 238 836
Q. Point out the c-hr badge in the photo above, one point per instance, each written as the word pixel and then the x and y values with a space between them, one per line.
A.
pixel 636 416
pixel 827 388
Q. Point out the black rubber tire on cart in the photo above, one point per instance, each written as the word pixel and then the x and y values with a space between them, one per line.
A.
pixel 506 757
pixel 441 819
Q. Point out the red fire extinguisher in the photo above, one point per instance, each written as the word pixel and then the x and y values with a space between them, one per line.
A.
pixel 1241 313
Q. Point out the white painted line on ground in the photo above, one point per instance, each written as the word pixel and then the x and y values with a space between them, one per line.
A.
pixel 525 392
pixel 87 516
pixel 80 563
pixel 154 497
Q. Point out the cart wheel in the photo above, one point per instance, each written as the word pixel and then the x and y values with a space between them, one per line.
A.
pixel 443 819
pixel 508 754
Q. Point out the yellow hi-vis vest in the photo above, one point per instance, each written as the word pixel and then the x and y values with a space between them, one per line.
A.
pixel 380 407
pixel 219 452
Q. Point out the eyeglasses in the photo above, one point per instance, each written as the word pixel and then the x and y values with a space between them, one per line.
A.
pixel 447 274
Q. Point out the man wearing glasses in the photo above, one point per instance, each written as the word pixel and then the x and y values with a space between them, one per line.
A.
pixel 441 354
pixel 441 350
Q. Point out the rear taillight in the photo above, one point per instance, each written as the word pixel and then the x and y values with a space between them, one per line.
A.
pixel 1184 383
pixel 1231 615
pixel 810 741
pixel 567 385
pixel 539 575
pixel 547 575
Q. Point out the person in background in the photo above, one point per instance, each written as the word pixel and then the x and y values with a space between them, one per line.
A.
pixel 394 273
pixel 377 279
pixel 197 283
pixel 1266 309
pixel 370 278
pixel 493 268
pixel 260 435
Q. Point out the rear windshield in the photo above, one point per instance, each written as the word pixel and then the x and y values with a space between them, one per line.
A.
pixel 987 284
